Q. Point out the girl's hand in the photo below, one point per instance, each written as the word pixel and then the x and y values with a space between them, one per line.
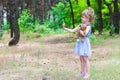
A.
pixel 82 33
pixel 63 24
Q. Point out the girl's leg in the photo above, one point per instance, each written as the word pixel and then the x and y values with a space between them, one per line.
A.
pixel 87 67
pixel 87 64
pixel 81 73
pixel 82 64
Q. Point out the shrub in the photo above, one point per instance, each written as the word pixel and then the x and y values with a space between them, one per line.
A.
pixel 93 39
pixel 1 33
pixel 26 21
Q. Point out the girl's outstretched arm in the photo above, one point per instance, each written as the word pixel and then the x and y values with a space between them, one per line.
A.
pixel 70 30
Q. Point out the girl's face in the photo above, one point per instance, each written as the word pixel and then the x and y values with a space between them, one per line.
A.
pixel 84 19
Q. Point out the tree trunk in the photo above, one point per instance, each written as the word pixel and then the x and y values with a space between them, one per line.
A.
pixel 88 3
pixel 13 22
pixel 49 4
pixel 1 14
pixel 100 23
pixel 116 16
pixel 46 8
pixel 40 10
pixel 8 17
pixel 21 5
pixel 72 14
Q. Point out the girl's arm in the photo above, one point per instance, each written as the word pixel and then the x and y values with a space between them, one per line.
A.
pixel 70 30
pixel 84 33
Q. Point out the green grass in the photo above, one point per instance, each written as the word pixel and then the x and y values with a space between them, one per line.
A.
pixel 106 72
pixel 111 71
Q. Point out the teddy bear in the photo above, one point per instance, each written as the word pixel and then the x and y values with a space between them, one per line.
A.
pixel 83 28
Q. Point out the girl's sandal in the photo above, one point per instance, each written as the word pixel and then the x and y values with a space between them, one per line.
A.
pixel 79 75
pixel 86 76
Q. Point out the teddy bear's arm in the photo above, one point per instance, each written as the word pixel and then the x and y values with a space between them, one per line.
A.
pixel 84 33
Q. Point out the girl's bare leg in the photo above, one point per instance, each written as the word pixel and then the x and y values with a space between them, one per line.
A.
pixel 82 64
pixel 87 67
pixel 81 73
pixel 83 68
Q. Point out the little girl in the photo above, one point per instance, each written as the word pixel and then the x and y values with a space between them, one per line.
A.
pixel 83 48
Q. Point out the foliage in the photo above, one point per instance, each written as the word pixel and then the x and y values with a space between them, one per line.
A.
pixel 26 21
pixel 77 9
pixel 94 5
pixel 106 16
pixel 64 8
pixel 93 39
pixel 42 29
pixel 29 34
pixel 61 11
pixel 57 14
pixel 6 26
pixel 1 33
pixel 95 24
pixel 112 29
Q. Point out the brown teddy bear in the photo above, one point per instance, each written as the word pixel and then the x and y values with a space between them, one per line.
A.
pixel 83 28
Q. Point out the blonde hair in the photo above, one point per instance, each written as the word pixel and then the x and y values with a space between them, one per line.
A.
pixel 89 13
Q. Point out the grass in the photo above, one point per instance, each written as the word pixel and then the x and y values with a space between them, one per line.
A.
pixel 106 72
pixel 106 65
pixel 105 69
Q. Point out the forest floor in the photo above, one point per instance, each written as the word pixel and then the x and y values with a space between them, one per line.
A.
pixel 52 58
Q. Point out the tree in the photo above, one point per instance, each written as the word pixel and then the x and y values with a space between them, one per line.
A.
pixel 116 16
pixel 111 15
pixel 72 14
pixel 1 14
pixel 100 23
pixel 88 3
pixel 110 11
pixel 13 21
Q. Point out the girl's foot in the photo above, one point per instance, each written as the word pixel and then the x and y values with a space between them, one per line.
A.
pixel 79 75
pixel 86 76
